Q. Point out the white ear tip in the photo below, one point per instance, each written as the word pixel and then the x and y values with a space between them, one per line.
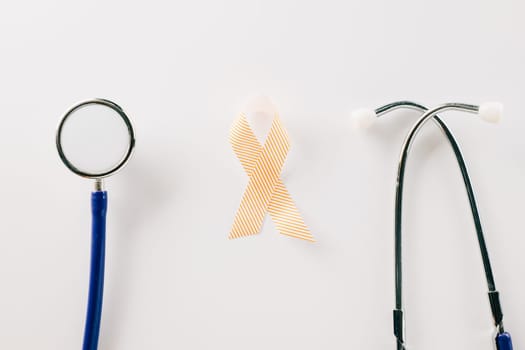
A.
pixel 491 111
pixel 363 118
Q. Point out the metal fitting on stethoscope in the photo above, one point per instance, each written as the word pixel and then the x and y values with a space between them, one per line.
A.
pixel 490 112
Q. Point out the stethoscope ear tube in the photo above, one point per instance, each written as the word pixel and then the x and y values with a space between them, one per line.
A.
pixel 99 203
pixel 489 112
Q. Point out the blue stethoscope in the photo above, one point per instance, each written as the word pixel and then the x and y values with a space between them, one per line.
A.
pixel 99 202
pixel 489 112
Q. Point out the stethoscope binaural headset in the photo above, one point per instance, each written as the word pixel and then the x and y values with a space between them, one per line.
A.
pixel 489 112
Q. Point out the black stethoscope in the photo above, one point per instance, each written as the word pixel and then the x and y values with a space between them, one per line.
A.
pixel 490 112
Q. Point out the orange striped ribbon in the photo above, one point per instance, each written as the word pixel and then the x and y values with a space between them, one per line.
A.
pixel 265 192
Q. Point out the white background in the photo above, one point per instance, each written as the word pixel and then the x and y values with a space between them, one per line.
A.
pixel 182 70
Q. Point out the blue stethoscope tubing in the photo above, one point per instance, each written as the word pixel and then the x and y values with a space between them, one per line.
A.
pixel 99 205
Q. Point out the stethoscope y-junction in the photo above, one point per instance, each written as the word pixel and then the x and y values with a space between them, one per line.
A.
pixel 489 112
pixel 98 209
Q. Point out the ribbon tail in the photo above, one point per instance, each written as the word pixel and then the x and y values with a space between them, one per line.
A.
pixel 250 215
pixel 286 216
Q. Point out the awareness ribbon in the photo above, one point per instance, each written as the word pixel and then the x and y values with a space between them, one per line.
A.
pixel 265 192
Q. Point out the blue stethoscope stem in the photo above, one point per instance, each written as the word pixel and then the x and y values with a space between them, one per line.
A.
pixel 503 341
pixel 99 203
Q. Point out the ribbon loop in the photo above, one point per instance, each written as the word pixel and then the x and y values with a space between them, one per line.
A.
pixel 265 191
